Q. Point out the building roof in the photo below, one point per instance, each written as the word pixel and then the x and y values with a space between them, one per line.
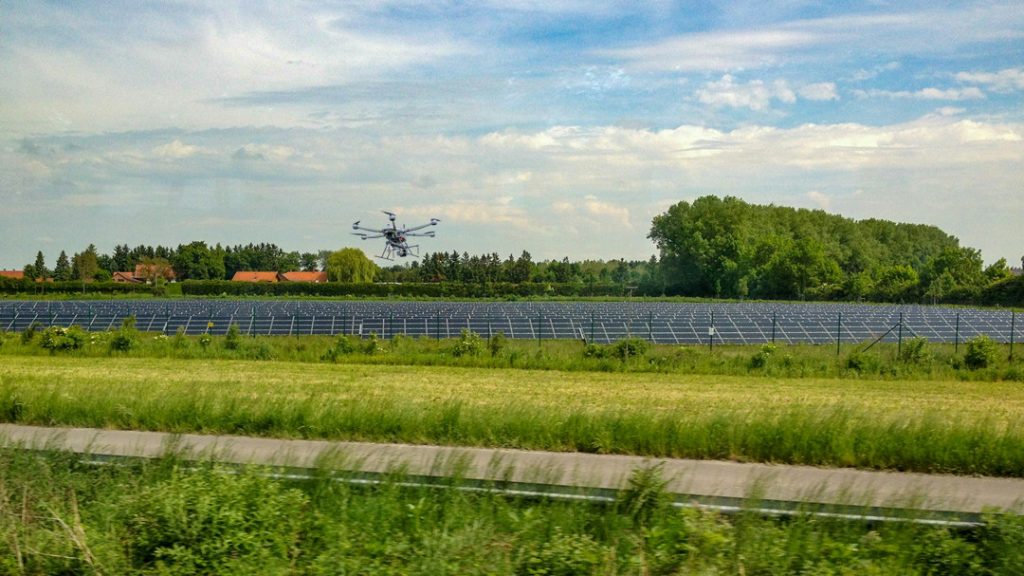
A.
pixel 317 277
pixel 16 274
pixel 250 276
pixel 125 277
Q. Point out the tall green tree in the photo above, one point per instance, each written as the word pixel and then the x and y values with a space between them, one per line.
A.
pixel 40 266
pixel 197 261
pixel 350 265
pixel 86 264
pixel 62 270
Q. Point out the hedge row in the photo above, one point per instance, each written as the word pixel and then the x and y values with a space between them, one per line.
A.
pixel 419 289
pixel 13 286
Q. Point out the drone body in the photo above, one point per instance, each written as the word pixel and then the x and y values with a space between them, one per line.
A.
pixel 395 239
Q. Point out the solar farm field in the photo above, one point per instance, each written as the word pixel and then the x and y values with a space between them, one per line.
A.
pixel 600 322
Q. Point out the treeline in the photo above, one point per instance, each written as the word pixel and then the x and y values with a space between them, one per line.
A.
pixel 195 261
pixel 728 248
pixel 198 261
pixel 491 269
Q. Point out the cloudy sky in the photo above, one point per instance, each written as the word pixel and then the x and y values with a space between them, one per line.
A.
pixel 558 127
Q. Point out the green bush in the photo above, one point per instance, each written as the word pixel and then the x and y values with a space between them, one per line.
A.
pixel 496 343
pixel 915 351
pixel 29 334
pixel 60 339
pixel 630 348
pixel 373 345
pixel 216 521
pixel 126 338
pixel 981 352
pixel 760 360
pixel 469 344
pixel 342 347
pixel 233 338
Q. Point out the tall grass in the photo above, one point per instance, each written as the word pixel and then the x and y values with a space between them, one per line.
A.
pixel 957 427
pixel 59 515
pixel 917 360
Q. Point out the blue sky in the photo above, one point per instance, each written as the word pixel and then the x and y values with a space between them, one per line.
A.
pixel 556 127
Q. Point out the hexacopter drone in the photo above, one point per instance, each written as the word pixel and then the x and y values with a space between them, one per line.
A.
pixel 395 237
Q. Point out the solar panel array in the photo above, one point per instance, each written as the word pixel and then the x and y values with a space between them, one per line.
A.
pixel 602 322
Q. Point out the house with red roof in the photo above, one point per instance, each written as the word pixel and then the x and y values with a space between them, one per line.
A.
pixel 251 276
pixel 315 277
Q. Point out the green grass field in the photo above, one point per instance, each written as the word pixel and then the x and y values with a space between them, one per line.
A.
pixel 945 426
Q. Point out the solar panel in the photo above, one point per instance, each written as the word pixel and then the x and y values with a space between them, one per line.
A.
pixel 662 322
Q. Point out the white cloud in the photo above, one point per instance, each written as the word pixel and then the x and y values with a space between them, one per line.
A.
pixel 1004 81
pixel 819 199
pixel 756 94
pixel 820 91
pixel 175 150
pixel 955 94
pixel 827 39
pixel 607 210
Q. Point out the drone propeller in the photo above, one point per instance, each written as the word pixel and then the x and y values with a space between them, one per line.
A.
pixel 391 215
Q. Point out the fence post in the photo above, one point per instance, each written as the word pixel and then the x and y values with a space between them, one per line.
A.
pixel 899 339
pixel 711 333
pixel 1013 325
pixel 773 327
pixel 956 339
pixel 591 326
pixel 650 328
pixel 839 332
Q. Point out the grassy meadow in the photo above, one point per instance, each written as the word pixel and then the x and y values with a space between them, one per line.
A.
pixel 959 427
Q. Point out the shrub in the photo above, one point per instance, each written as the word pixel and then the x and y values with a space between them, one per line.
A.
pixel 760 360
pixel 205 340
pixel 180 341
pixel 981 352
pixel 60 339
pixel 469 344
pixel 123 340
pixel 214 521
pixel 233 338
pixel 496 343
pixel 29 334
pixel 372 345
pixel 915 351
pixel 630 348
pixel 342 347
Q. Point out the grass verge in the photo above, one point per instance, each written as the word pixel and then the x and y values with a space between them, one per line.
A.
pixel 59 515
